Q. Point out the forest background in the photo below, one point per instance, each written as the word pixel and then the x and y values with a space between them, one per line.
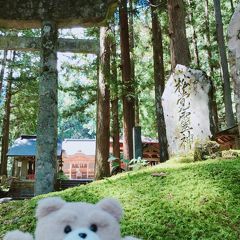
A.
pixel 78 73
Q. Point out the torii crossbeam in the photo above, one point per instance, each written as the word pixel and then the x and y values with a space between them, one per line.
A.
pixel 64 45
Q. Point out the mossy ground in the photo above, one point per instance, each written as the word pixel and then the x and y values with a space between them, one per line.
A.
pixel 193 201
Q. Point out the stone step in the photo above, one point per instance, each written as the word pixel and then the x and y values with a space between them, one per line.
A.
pixel 64 184
pixel 21 190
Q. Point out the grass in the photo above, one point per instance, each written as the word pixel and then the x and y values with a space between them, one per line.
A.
pixel 193 201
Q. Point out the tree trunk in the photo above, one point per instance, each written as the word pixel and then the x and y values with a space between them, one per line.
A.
pixel 232 6
pixel 137 109
pixel 46 160
pixel 132 57
pixel 102 168
pixel 224 64
pixel 6 122
pixel 196 52
pixel 128 85
pixel 114 103
pixel 4 60
pixel 115 129
pixel 211 67
pixel 194 37
pixel 159 80
pixel 208 37
pixel 179 47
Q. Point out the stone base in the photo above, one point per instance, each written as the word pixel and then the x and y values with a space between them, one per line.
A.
pixel 21 189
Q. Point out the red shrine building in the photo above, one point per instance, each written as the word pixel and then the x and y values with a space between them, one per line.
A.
pixel 76 157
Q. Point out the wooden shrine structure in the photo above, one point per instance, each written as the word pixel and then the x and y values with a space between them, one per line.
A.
pixel 228 138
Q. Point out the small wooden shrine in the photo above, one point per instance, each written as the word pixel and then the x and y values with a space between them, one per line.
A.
pixel 23 152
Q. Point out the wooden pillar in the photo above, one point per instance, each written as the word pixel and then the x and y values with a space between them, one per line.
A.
pixel 47 119
pixel 137 143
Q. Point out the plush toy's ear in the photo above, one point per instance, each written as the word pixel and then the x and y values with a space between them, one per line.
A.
pixel 17 235
pixel 48 205
pixel 112 206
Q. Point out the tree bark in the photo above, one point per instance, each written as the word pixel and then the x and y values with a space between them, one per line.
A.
pixel 132 57
pixel 115 129
pixel 196 52
pixel 224 64
pixel 232 6
pixel 46 159
pixel 208 37
pixel 6 122
pixel 114 102
pixel 128 85
pixel 179 47
pixel 211 67
pixel 194 37
pixel 159 79
pixel 4 60
pixel 102 168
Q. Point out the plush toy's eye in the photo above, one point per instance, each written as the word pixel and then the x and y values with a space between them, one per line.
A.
pixel 67 229
pixel 94 228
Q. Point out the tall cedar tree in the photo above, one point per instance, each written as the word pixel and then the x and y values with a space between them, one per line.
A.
pixel 179 47
pixel 159 79
pixel 211 66
pixel 115 130
pixel 194 35
pixel 132 45
pixel 128 85
pixel 6 120
pixel 232 6
pixel 4 60
pixel 102 168
pixel 229 117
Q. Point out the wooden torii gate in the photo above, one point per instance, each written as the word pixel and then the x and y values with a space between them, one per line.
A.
pixel 49 15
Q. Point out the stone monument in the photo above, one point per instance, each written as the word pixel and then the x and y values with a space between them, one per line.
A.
pixel 234 57
pixel 186 106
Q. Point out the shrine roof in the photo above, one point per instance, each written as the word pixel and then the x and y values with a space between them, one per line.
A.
pixel 26 146
pixel 84 146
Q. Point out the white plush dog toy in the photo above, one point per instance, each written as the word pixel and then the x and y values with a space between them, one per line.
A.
pixel 60 220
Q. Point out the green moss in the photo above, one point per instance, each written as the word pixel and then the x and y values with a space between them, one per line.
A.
pixel 194 201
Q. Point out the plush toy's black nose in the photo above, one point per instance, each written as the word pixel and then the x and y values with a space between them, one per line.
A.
pixel 82 235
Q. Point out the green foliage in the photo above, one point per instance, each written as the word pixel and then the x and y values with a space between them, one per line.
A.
pixel 4 184
pixel 24 107
pixel 189 158
pixel 62 176
pixel 136 164
pixel 231 154
pixel 206 150
pixel 77 96
pixel 78 73
pixel 24 103
pixel 199 25
pixel 194 201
